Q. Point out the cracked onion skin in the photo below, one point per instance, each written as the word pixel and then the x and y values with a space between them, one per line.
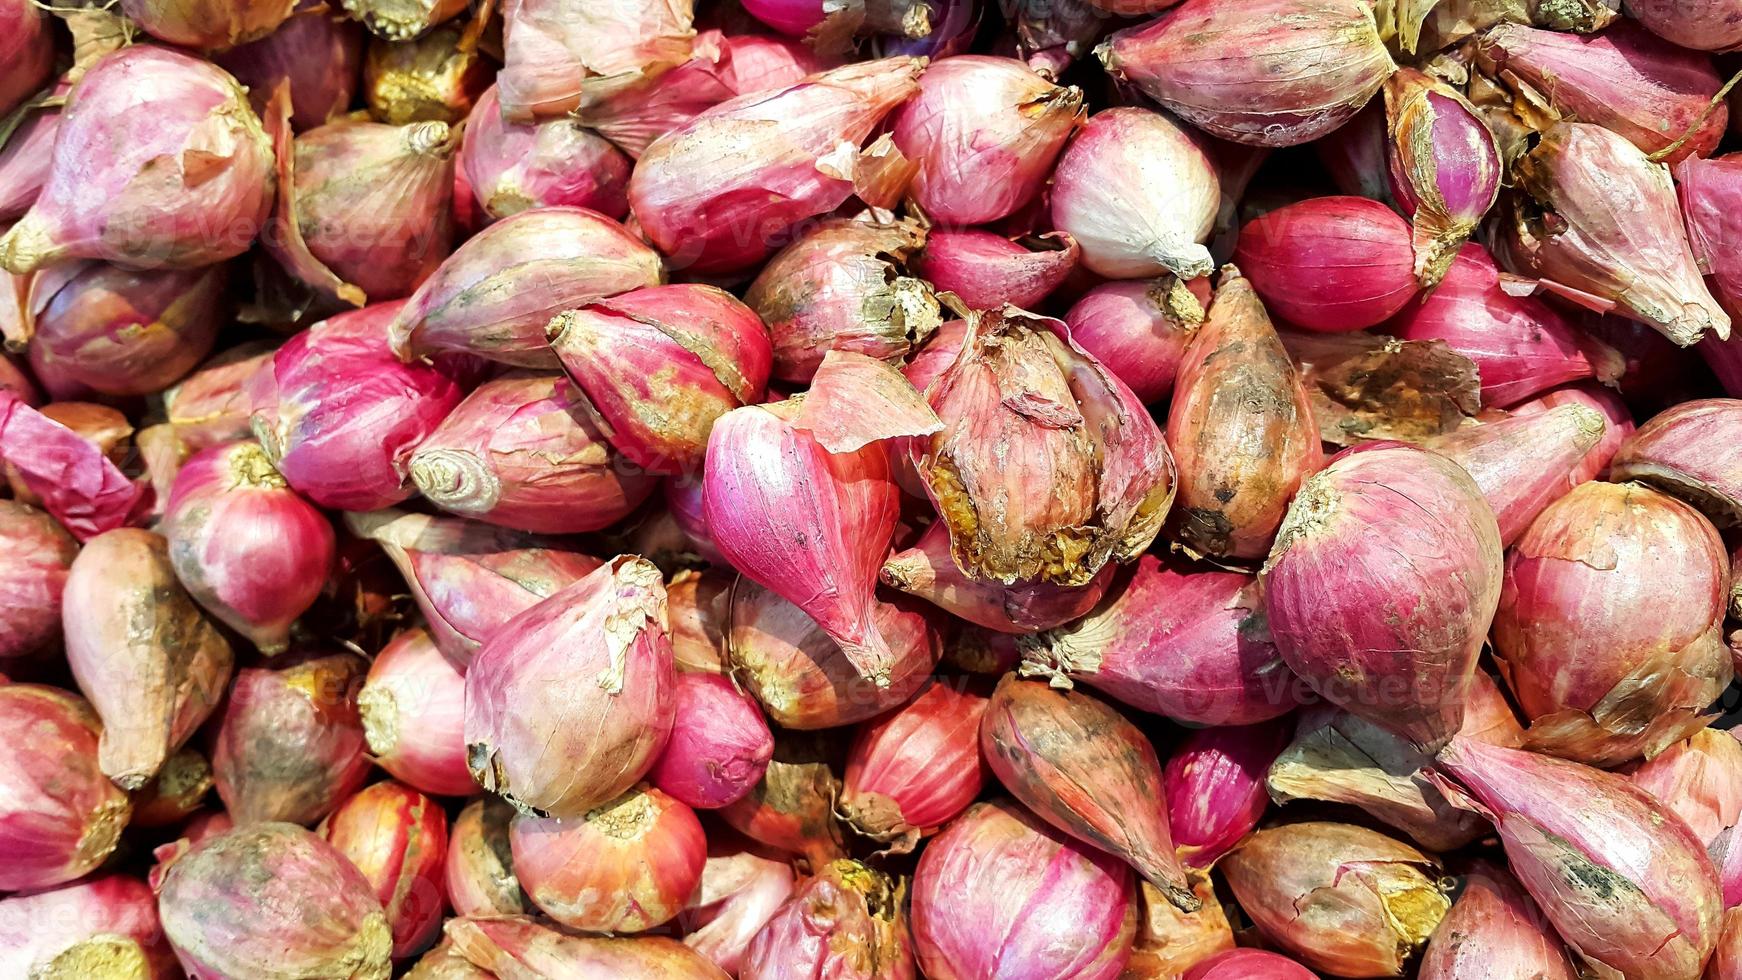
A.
pixel 60 816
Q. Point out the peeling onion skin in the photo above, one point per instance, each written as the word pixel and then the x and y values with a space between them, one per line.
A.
pixel 915 769
pixel 1344 899
pixel 1140 329
pixel 1445 169
pixel 85 930
pixel 444 962
pixel 519 948
pixel 1398 643
pixel 1625 883
pixel 435 78
pixel 719 747
pixel 1685 452
pixel 792 809
pixel 999 893
pixel 1215 787
pixel 1330 264
pixel 554 50
pixel 413 708
pixel 928 571
pixel 39 554
pixel 513 167
pixel 1609 632
pixel 403 21
pixel 1494 930
pixel 60 816
pixel 740 891
pixel 845 922
pixel 27 52
pixel 1700 780
pixel 122 332
pixel 1225 67
pixel 479 871
pixel 1249 964
pixel 1523 463
pixel 398 838
pixel 318 52
pixel 274 893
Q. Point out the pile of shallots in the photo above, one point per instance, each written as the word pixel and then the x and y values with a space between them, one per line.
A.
pixel 870 490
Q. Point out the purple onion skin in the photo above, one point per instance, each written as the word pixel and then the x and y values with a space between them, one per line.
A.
pixel 24 160
pixel 1138 329
pixel 39 552
pixel 318 53
pixel 1215 787
pixel 719 747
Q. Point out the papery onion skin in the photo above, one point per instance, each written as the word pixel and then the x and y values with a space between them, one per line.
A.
pixel 758 195
pixel 1249 964
pixel 518 947
pixel 1605 402
pixel 1344 899
pixel 273 893
pixel 60 816
pixel 63 459
pixel 1523 463
pixel 1681 452
pixel 513 167
pixel 699 605
pixel 120 210
pixel 1235 69
pixel 289 746
pixel 986 270
pixel 792 808
pixel 413 708
pixel 249 549
pixel 1215 788
pixel 1329 263
pixel 479 871
pixel 398 838
pixel 1397 642
pixel 85 929
pixel 1138 194
pixel 122 332
pixel 1614 587
pixel 915 769
pixel 1700 780
pixel 1140 329
pixel 1626 884
pixel 999 893
pixel 560 56
pixel 317 51
pixel 40 552
pixel 631 117
pixel 927 570
pixel 435 78
pixel 1445 169
pixel 1168 940
pixel 584 676
pixel 152 665
pixel 846 921
pixel 401 22
pixel 208 24
pixel 740 891
pixel 719 747
pixel 1726 961
pixel 1710 193
pixel 1495 930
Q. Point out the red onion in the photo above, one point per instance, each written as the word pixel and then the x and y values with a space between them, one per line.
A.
pixel 740 891
pixel 720 744
pixel 1000 893
pixel 210 406
pixel 1345 900
pixel 319 53
pixel 1215 788
pixel 339 416
pixel 1683 452
pixel 1604 402
pixel 764 187
pixel 39 553
pixel 1139 329
pixel 106 431
pixel 402 22
pixel 1624 78
pixel 479 870
pixel 792 808
pixel 210 24
pixel 1330 263
pixel 984 132
pixel 628 866
pixel 105 926
pixel 1444 167
pixel 250 550
pixel 60 816
pixel 1087 771
pixel 1248 964
pixel 149 661
pixel 1240 428
pixel 1382 585
pixel 67 474
pixel 1709 191
pixel 846 922
pixel 28 52
pixel 633 116
pixel 1610 584
pixel 435 78
pixel 927 570
pixel 272 894
pixel 398 838
pixel 761 63
pixel 1626 884
pixel 120 332
pixel 683 502
pixel 495 294
pixel 104 200
pixel 1494 926
pixel 26 152
pixel 1231 68
pixel 841 286
pixel 1615 244
pixel 913 770
pixel 559 55
pixel 519 947
pixel 1175 639
pixel 569 704
pixel 513 167
pixel 986 271
pixel 1138 195
pixel 177 792
pixel 1358 155
pixel 1523 463
pixel 1715 26
pixel 469 578
pixel 289 745
pixel 1700 780
pixel 413 708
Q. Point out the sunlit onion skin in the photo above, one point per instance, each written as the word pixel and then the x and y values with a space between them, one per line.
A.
pixel 1249 964
pixel 1680 451
pixel 1396 642
pixel 585 677
pixel 846 921
pixel 928 571
pixel 60 816
pixel 1495 930
pixel 560 55
pixel 494 295
pixel 986 271
pixel 319 53
pixel 159 162
pixel 1138 195
pixel 792 809
pixel 479 871
pixel 1083 768
pixel 398 838
pixel 1523 463
pixel 1240 428
pixel 1445 169
pixel 401 21
pixel 250 550
pixel 1330 263
pixel 1343 899
pixel 913 770
pixel 1626 885
pixel 413 708
pixel 289 745
pixel 1214 783
pixel 1610 624
pixel 39 553
pixel 438 77
pixel 984 131
pixel 999 893
pixel 519 948
pixel 844 286
pixel 152 665
pixel 1233 69
pixel 106 923
pixel 792 169
pixel 1622 78
pixel 719 747
pixel 740 890
pixel 338 415
pixel 1140 329
pixel 1700 780
pixel 273 893
pixel 513 167
pixel 1616 243
pixel 28 52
